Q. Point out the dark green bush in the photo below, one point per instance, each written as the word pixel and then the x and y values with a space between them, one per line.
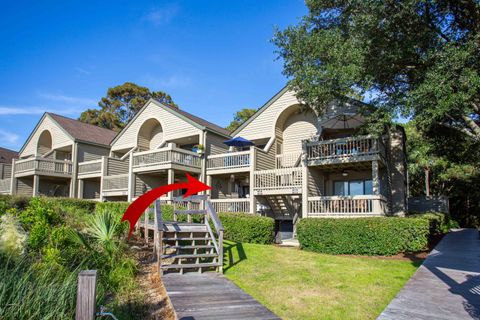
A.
pixel 68 203
pixel 16 202
pixel 244 227
pixel 439 222
pixel 365 236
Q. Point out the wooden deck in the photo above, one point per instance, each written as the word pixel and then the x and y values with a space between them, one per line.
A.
pixel 211 296
pixel 446 286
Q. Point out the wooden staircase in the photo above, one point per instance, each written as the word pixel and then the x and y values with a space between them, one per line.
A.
pixel 186 246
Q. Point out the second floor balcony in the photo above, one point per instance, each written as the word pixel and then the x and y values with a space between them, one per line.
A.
pixel 345 150
pixel 43 166
pixel 230 162
pixel 169 157
pixel 88 169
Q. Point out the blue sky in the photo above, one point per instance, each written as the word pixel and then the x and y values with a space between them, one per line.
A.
pixel 213 57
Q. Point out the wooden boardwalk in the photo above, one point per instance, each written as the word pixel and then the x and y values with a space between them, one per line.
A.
pixel 446 286
pixel 211 296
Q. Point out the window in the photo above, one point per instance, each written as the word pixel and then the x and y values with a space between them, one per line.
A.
pixel 352 187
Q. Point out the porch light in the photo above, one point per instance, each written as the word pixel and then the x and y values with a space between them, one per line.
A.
pixel 344 173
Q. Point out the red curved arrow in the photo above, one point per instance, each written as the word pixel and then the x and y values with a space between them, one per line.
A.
pixel 137 207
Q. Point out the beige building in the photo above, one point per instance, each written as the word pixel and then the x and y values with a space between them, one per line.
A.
pixel 305 165
pixel 301 164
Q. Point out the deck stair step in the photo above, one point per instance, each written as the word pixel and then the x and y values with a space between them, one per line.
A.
pixel 190 266
pixel 184 227
pixel 187 239
pixel 190 247
pixel 186 246
pixel 188 256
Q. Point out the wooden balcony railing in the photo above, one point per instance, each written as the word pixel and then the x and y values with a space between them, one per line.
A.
pixel 345 148
pixel 115 183
pixel 231 160
pixel 288 160
pixel 274 181
pixel 43 165
pixel 347 205
pixel 167 155
pixel 5 185
pixel 231 205
pixel 90 167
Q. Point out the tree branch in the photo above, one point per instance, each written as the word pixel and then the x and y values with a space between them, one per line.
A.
pixel 472 125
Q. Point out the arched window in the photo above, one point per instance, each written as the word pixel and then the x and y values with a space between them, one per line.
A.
pixel 150 135
pixel 44 144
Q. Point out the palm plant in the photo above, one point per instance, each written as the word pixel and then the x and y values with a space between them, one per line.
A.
pixel 101 235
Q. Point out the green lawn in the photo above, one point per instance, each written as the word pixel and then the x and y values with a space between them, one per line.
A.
pixel 296 284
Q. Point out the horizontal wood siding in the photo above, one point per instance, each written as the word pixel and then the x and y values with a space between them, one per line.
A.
pixel 173 127
pixel 315 183
pixel 91 189
pixel 297 128
pixel 116 166
pixel 25 186
pixel 5 171
pixel 215 144
pixel 148 181
pixel 265 160
pixel 88 152
pixel 263 126
pixel 59 137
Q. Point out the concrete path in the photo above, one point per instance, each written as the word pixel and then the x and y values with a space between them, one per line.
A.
pixel 211 296
pixel 446 286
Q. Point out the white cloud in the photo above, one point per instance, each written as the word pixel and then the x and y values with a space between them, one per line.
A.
pixel 31 110
pixel 161 16
pixel 66 99
pixel 8 138
pixel 82 71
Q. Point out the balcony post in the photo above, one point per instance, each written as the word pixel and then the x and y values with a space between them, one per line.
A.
pixel 131 179
pixel 36 185
pixel 171 179
pixel 376 206
pixel 80 189
pixel 13 180
pixel 73 181
pixel 375 178
pixel 102 176
pixel 253 161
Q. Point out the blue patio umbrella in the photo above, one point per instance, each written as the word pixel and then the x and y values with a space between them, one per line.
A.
pixel 239 142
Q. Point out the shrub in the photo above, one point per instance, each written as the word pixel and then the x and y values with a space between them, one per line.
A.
pixel 439 222
pixel 9 202
pixel 244 227
pixel 365 236
pixel 69 203
pixel 12 236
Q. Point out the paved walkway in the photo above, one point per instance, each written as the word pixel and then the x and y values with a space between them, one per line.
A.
pixel 447 284
pixel 211 296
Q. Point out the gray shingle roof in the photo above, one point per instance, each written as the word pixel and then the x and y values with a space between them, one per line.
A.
pixel 84 131
pixel 203 122
pixel 6 155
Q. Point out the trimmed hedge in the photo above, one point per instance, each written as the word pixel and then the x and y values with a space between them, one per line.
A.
pixel 364 236
pixel 244 227
pixel 439 222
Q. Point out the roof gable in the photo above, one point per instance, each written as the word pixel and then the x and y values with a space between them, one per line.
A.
pixel 83 131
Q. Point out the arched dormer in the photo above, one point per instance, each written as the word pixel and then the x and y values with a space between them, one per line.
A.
pixel 44 143
pixel 150 135
pixel 293 125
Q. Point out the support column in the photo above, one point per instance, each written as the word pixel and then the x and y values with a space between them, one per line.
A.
pixel 131 179
pixel 376 205
pixel 253 200
pixel 304 191
pixel 375 178
pixel 103 169
pixel 209 183
pixel 80 189
pixel 171 179
pixel 73 181
pixel 13 180
pixel 36 185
